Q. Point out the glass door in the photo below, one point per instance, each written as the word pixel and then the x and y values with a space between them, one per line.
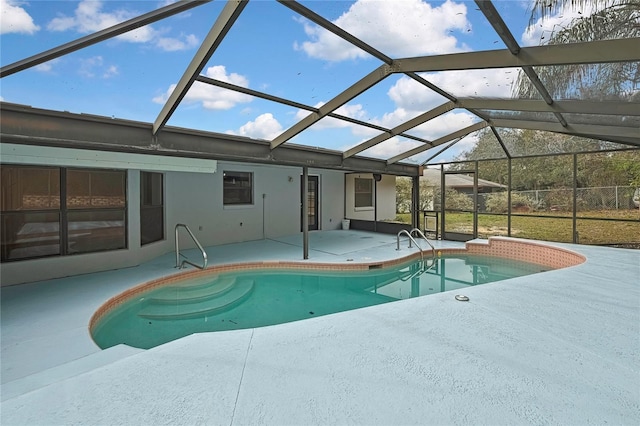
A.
pixel 312 203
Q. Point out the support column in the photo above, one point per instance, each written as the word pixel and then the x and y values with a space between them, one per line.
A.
pixel 415 202
pixel 305 213
pixel 475 200
pixel 442 198
pixel 509 198
pixel 576 238
pixel 377 177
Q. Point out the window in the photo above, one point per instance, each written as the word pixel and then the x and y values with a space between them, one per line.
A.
pixel 237 188
pixel 151 208
pixel 49 211
pixel 30 212
pixel 364 192
pixel 95 210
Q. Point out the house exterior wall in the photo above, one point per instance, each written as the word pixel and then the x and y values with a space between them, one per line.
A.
pixel 196 199
pixel 331 199
pixel 385 193
pixel 276 198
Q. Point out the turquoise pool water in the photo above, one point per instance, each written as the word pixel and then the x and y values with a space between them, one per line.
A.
pixel 258 298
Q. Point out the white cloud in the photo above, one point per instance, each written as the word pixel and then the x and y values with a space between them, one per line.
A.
pixel 213 97
pixel 390 148
pixel 15 19
pixel 183 43
pixel 47 66
pixel 543 29
pixel 467 143
pixel 265 126
pixel 110 71
pixel 91 67
pixel 89 17
pixel 144 34
pixel 444 125
pixel 411 95
pixel 396 27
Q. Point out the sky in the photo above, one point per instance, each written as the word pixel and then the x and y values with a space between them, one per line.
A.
pixel 270 49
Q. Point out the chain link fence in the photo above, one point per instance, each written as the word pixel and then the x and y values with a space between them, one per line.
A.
pixel 560 200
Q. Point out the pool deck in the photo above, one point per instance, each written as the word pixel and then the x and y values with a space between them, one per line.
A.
pixel 561 347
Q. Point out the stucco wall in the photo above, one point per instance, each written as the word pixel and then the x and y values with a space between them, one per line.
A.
pixel 276 199
pixel 385 193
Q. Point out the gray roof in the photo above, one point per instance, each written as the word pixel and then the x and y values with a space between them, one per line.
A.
pixel 457 180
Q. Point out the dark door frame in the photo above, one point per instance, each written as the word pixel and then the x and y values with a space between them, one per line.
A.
pixel 458 236
pixel 314 205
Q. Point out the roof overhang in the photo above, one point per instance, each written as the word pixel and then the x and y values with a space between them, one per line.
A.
pixel 30 126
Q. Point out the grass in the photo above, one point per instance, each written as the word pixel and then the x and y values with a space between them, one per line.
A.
pixel 551 228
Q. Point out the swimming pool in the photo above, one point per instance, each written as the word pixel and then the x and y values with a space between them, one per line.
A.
pixel 256 298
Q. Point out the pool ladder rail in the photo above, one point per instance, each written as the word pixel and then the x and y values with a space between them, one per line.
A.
pixel 195 240
pixel 412 240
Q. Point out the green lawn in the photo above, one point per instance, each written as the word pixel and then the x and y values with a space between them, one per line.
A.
pixel 551 228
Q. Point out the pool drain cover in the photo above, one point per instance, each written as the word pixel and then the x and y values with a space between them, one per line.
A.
pixel 461 298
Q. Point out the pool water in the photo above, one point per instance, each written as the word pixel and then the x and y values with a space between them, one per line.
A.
pixel 257 298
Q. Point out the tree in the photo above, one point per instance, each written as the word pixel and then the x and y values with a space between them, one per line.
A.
pixel 627 164
pixel 613 19
pixel 610 168
pixel 403 195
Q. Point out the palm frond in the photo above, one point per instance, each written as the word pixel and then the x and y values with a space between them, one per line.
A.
pixel 545 8
pixel 619 20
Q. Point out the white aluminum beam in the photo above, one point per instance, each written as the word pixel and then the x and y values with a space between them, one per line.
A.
pixel 444 139
pixel 566 107
pixel 102 35
pixel 629 133
pixel 227 17
pixel 595 52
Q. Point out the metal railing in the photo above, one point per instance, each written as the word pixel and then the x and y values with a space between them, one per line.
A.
pixel 195 240
pixel 425 267
pixel 421 234
pixel 405 232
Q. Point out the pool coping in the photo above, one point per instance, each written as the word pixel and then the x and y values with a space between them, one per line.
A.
pixel 508 248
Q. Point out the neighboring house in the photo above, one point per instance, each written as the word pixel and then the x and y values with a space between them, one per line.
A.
pixel 462 183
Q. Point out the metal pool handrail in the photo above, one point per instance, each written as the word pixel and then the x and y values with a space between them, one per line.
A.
pixel 404 231
pixel 195 240
pixel 420 233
